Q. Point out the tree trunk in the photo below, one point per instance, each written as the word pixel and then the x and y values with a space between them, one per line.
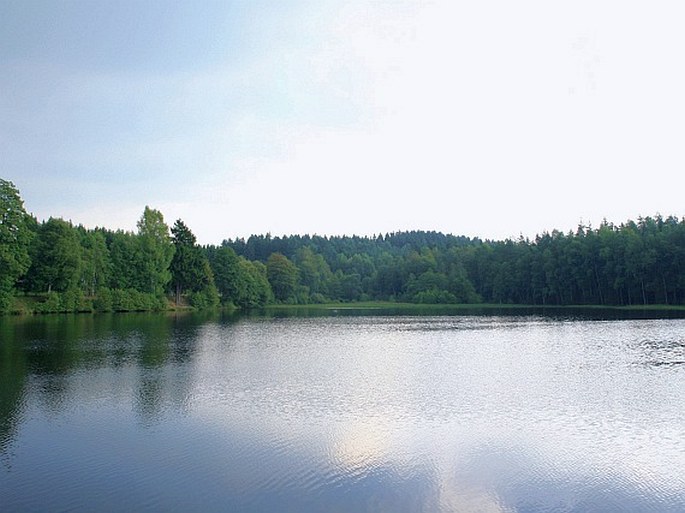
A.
pixel 644 297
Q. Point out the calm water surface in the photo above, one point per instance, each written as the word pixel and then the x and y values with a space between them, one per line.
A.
pixel 342 414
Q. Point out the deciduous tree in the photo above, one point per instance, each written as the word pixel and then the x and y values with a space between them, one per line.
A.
pixel 156 252
pixel 15 238
pixel 282 275
pixel 56 256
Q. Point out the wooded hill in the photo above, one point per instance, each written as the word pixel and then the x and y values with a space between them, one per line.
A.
pixel 57 266
pixel 638 262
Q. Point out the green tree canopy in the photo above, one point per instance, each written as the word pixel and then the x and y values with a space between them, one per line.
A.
pixel 156 252
pixel 125 257
pixel 15 238
pixel 282 275
pixel 314 273
pixel 255 289
pixel 225 266
pixel 189 268
pixel 95 261
pixel 56 256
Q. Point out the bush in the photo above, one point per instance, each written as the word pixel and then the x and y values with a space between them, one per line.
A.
pixel 52 304
pixel 159 303
pixel 71 300
pixel 121 301
pixel 318 298
pixel 203 299
pixel 6 298
pixel 434 296
pixel 103 300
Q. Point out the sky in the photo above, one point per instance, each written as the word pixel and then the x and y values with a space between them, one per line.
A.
pixel 491 118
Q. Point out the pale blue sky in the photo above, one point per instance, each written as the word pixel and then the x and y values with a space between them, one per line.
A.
pixel 488 118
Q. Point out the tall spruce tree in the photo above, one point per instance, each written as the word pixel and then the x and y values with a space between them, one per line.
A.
pixel 189 268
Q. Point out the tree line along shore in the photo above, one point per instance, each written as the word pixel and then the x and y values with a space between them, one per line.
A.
pixel 56 266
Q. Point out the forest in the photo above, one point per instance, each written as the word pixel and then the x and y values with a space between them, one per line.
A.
pixel 56 266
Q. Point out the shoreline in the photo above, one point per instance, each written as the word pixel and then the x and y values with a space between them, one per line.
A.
pixel 23 307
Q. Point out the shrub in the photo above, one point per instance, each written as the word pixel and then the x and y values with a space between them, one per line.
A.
pixel 203 299
pixel 52 304
pixel 103 300
pixel 6 298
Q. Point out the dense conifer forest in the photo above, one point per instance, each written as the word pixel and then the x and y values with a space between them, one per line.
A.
pixel 56 266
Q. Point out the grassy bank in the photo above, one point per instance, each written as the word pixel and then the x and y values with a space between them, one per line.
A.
pixel 76 302
pixel 384 308
pixel 417 307
pixel 127 301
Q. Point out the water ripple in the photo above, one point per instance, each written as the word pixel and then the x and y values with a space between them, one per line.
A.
pixel 352 414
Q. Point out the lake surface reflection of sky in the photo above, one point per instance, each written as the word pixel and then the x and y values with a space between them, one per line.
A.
pixel 344 414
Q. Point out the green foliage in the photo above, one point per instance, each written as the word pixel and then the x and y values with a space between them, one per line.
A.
pixel 254 290
pixel 227 274
pixel 434 296
pixel 205 298
pixel 95 261
pixel 314 274
pixel 239 281
pixel 56 257
pixel 429 287
pixel 131 300
pixel 80 270
pixel 123 300
pixel 635 263
pixel 346 287
pixel 282 275
pixel 52 303
pixel 103 301
pixel 6 297
pixel 71 300
pixel 125 257
pixel 15 239
pixel 68 269
pixel 156 252
pixel 317 298
pixel 190 268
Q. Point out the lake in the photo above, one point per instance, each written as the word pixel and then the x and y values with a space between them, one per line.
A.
pixel 343 412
